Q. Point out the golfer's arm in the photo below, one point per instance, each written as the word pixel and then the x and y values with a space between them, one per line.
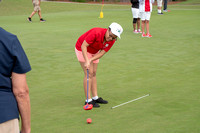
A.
pixel 84 50
pixel 21 92
pixel 98 56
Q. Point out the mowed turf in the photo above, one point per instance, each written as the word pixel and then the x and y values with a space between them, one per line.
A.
pixel 166 66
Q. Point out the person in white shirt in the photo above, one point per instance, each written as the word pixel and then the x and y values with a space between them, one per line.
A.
pixel 145 8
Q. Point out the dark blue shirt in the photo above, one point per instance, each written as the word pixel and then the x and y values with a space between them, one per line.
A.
pixel 12 59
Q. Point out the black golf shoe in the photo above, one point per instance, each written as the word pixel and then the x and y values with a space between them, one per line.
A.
pixel 29 19
pixel 42 20
pixel 100 100
pixel 96 105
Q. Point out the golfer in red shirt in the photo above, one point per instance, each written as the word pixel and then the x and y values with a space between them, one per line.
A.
pixel 90 47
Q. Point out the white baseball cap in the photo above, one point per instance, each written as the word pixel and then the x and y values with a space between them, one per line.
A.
pixel 116 29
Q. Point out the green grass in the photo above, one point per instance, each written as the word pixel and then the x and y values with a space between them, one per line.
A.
pixel 165 66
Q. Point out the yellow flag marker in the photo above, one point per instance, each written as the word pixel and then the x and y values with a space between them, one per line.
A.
pixel 101 13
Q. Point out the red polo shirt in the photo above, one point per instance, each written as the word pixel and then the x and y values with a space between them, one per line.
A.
pixel 94 38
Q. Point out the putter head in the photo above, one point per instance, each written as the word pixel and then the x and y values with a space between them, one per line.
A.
pixel 88 106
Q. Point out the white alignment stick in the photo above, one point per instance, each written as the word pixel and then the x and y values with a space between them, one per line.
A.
pixel 131 101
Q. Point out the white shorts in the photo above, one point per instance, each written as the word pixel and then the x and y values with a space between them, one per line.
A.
pixel 136 13
pixel 145 15
pixel 159 3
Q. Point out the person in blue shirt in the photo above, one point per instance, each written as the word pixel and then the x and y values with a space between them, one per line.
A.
pixel 14 91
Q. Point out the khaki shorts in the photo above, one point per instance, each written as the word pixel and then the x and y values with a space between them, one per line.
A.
pixel 36 7
pixel 11 126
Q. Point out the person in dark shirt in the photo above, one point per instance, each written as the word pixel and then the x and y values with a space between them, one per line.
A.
pixel 14 91
pixel 136 16
pixel 165 6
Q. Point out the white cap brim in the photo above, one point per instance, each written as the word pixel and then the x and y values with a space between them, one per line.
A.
pixel 116 29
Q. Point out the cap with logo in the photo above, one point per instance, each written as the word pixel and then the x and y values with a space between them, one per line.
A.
pixel 116 29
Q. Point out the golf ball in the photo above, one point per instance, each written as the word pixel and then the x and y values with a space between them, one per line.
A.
pixel 89 120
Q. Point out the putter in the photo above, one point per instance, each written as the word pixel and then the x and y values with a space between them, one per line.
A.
pixel 88 106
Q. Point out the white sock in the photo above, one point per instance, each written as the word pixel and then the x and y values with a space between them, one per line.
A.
pixel 159 11
pixel 89 100
pixel 95 98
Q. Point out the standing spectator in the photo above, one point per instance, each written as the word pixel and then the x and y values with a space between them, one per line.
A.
pixel 165 6
pixel 136 16
pixel 36 4
pixel 89 48
pixel 145 8
pixel 14 91
pixel 159 6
